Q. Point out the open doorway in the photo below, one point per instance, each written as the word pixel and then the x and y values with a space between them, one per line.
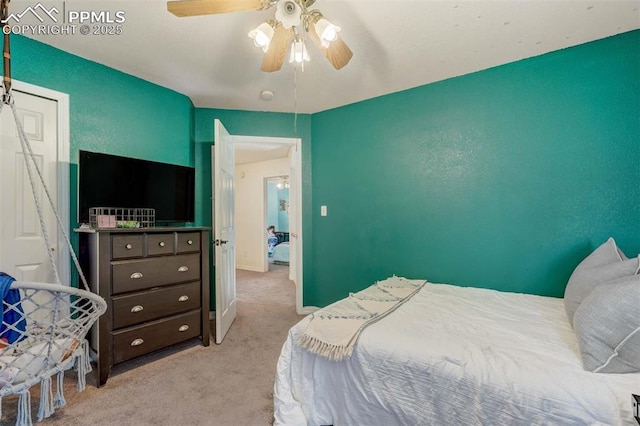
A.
pixel 277 218
pixel 267 192
pixel 226 178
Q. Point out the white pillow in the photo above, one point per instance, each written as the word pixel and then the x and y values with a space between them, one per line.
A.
pixel 606 263
pixel 607 324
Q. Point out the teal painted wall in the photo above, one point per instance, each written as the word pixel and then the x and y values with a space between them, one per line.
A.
pixel 283 215
pixel 110 111
pixel 251 123
pixel 272 204
pixel 504 178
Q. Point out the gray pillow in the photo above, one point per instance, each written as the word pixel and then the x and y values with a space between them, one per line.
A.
pixel 606 263
pixel 607 325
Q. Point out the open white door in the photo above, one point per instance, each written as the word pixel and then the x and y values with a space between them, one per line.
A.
pixel 293 214
pixel 223 230
pixel 295 224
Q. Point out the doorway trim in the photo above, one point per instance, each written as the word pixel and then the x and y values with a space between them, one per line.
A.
pixel 296 144
pixel 63 165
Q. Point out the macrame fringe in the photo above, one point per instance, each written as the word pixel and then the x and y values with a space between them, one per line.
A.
pixel 87 356
pixel 83 365
pixel 60 401
pixel 24 409
pixel 324 349
pixel 46 408
pixel 80 368
pixel 350 309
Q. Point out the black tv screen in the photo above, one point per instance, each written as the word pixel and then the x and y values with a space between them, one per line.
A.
pixel 106 180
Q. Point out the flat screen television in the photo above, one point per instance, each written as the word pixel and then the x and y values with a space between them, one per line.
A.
pixel 106 180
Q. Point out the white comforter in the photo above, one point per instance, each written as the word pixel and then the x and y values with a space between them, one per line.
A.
pixel 453 356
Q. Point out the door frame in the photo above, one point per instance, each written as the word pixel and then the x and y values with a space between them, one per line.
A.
pixel 63 168
pixel 296 144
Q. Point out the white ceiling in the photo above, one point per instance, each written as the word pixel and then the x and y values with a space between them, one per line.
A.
pixel 396 44
pixel 246 153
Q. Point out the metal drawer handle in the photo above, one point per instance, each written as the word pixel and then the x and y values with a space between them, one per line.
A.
pixel 190 242
pixel 128 246
pixel 137 342
pixel 136 275
pixel 183 328
pixel 183 269
pixel 137 308
pixel 161 243
pixel 183 298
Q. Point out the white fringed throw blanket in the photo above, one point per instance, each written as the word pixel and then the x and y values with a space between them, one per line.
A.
pixel 333 331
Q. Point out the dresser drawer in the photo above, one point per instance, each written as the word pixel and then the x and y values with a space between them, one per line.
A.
pixel 135 341
pixel 159 244
pixel 134 275
pixel 188 241
pixel 127 246
pixel 153 304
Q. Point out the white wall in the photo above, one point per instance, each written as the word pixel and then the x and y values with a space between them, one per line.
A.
pixel 251 230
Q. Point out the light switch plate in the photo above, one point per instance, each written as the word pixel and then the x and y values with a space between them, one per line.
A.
pixel 323 210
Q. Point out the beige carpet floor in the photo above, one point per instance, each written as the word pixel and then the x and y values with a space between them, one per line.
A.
pixel 228 384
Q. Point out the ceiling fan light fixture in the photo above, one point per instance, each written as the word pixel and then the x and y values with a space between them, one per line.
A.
pixel 293 18
pixel 327 32
pixel 298 51
pixel 262 36
pixel 289 13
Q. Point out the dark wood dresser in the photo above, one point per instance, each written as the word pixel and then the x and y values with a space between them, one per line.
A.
pixel 156 285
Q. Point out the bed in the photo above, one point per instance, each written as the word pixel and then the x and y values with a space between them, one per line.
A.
pixel 452 355
pixel 281 254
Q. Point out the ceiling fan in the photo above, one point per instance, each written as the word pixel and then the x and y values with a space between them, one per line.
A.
pixel 292 20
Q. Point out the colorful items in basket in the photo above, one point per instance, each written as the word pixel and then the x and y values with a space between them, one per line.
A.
pixel 109 221
pixel 128 224
pixel 106 221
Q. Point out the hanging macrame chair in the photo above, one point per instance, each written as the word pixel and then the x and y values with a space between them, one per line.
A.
pixel 43 325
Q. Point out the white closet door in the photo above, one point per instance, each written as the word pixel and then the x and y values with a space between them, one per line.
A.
pixel 23 252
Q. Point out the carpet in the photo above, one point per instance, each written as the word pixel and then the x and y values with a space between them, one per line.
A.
pixel 228 384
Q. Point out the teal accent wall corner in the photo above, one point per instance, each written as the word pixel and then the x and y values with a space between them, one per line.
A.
pixel 504 178
pixel 110 111
pixel 252 123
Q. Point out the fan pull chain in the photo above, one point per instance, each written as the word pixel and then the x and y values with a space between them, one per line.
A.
pixel 295 97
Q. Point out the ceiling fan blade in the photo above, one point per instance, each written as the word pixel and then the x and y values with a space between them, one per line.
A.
pixel 274 58
pixel 338 53
pixel 210 7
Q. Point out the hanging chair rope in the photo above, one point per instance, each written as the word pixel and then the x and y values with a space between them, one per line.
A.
pixel 6 53
pixel 51 320
pixel 32 165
